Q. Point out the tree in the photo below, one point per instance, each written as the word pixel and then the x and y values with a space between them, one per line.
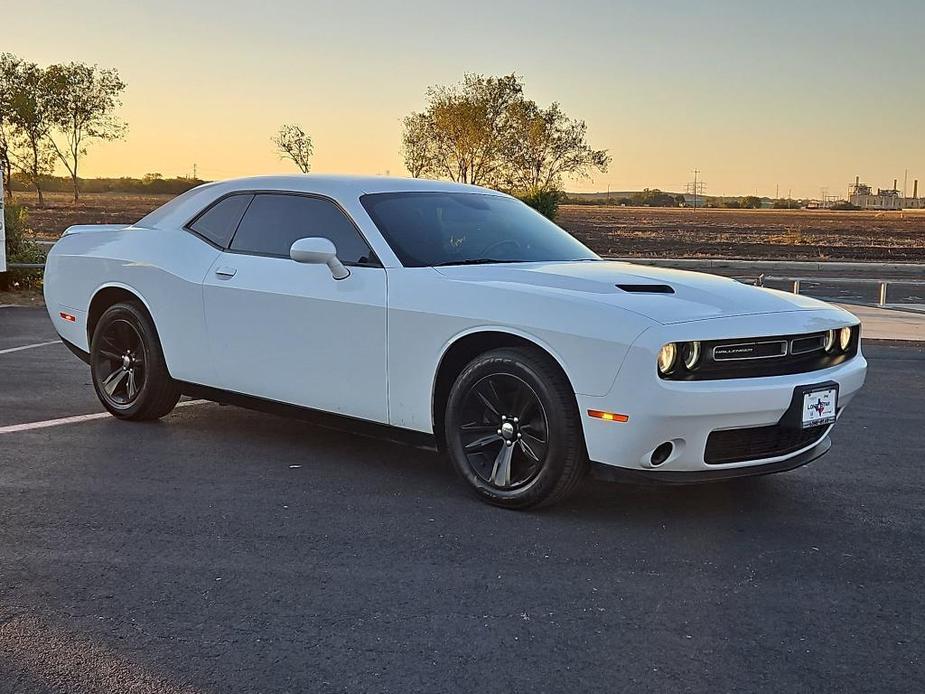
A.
pixel 416 144
pixel 653 197
pixel 485 132
pixel 545 145
pixel 10 67
pixel 295 144
pixel 82 102
pixel 30 117
pixel 464 130
pixel 751 202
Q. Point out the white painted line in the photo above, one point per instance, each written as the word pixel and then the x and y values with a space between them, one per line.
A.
pixel 19 349
pixel 74 420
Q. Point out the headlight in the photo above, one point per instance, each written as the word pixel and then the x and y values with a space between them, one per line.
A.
pixel 666 357
pixel 829 340
pixel 690 352
pixel 844 339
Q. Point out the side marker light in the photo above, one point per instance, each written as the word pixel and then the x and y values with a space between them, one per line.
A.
pixel 608 416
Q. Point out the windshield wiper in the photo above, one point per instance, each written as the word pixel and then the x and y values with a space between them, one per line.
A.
pixel 476 261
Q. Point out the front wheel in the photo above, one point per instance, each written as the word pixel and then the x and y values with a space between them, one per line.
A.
pixel 129 373
pixel 512 431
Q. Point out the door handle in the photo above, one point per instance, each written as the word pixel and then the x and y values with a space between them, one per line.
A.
pixel 225 272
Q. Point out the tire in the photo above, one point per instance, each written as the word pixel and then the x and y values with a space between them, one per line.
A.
pixel 512 429
pixel 127 365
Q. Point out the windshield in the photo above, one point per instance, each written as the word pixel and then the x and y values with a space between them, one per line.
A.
pixel 462 228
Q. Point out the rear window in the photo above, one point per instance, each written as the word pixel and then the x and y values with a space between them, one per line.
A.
pixel 154 218
pixel 218 223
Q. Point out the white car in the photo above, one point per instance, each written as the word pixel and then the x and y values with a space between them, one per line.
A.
pixel 458 314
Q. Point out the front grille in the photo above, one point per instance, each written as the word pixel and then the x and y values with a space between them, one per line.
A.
pixel 756 443
pixel 753 357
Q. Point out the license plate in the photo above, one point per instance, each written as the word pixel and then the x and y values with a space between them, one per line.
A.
pixel 819 407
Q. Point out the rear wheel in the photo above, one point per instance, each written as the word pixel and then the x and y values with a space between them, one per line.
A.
pixel 512 431
pixel 129 373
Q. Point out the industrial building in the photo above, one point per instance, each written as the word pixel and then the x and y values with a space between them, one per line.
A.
pixel 862 195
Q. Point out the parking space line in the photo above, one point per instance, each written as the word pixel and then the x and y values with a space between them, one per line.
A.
pixel 13 428
pixel 38 344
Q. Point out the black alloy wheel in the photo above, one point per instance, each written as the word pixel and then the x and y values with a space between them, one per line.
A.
pixel 120 362
pixel 512 431
pixel 504 430
pixel 129 372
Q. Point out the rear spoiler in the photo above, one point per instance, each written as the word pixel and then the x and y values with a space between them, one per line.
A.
pixel 87 228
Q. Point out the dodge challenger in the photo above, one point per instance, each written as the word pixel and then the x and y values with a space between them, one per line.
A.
pixel 456 314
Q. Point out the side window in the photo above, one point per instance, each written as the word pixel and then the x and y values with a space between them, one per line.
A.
pixel 219 221
pixel 274 221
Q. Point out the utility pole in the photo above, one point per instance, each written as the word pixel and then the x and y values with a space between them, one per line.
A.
pixel 695 188
pixel 194 171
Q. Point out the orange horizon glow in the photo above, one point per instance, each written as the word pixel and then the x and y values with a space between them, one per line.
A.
pixel 767 100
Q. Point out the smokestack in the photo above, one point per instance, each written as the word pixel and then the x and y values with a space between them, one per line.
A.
pixel 895 183
pixel 915 189
pixel 857 181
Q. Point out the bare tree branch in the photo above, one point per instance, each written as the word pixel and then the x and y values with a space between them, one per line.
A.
pixel 294 144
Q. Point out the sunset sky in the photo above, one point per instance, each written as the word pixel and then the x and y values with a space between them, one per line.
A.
pixel 755 94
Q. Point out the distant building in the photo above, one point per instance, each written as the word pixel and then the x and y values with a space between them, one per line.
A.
pixel 862 195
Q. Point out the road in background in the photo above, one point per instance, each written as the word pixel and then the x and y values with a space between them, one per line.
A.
pixel 226 550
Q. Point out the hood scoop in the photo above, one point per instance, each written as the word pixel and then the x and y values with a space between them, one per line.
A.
pixel 646 288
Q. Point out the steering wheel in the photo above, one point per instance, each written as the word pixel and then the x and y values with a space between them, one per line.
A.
pixel 496 244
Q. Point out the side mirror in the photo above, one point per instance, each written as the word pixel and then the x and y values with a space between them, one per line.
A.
pixel 315 251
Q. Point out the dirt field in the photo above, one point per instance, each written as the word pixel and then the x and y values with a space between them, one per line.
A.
pixel 626 231
pixel 748 234
pixel 60 212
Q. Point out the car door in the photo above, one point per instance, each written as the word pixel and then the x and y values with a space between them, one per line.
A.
pixel 289 332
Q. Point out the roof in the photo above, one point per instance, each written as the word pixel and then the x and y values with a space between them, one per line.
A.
pixel 341 188
pixel 347 186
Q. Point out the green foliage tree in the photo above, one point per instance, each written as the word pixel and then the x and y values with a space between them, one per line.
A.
pixel 82 103
pixel 751 202
pixel 463 132
pixel 9 75
pixel 545 201
pixel 545 145
pixel 31 119
pixel 293 143
pixel 653 197
pixel 484 131
pixel 416 144
pixel 20 248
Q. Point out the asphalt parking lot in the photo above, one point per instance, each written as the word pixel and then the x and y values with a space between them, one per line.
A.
pixel 226 550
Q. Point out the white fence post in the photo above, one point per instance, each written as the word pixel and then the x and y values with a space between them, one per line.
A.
pixel 2 229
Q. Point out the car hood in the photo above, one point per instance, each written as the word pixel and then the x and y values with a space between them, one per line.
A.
pixel 663 295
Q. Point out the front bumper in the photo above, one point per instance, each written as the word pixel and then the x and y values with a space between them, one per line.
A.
pixel 685 413
pixel 612 473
